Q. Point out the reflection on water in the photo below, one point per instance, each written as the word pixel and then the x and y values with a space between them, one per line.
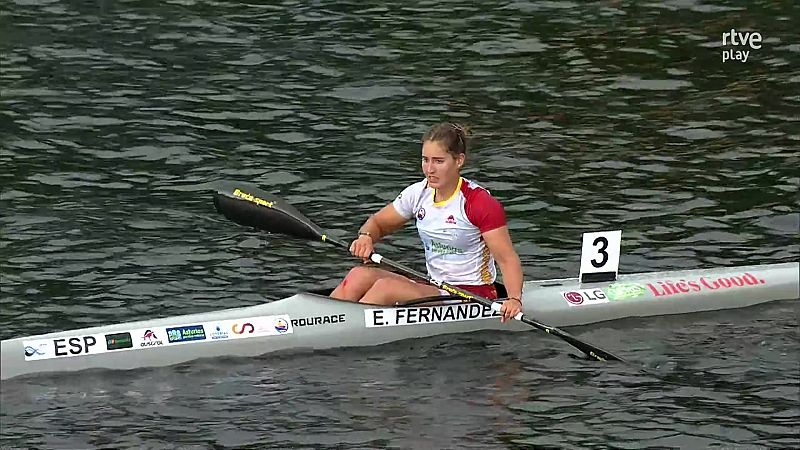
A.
pixel 119 116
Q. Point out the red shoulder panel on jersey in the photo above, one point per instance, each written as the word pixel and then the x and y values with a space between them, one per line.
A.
pixel 483 210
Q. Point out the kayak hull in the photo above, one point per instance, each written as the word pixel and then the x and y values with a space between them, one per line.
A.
pixel 308 321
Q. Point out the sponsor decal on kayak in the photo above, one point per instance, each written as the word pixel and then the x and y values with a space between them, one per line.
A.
pixel 582 297
pixel 186 333
pixel 624 291
pixel 149 338
pixel 37 350
pixel 219 332
pixel 319 320
pixel 390 317
pixel 242 328
pixel 282 326
pixel 662 288
pixel 118 341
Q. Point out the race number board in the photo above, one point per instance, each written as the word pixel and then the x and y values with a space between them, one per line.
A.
pixel 600 256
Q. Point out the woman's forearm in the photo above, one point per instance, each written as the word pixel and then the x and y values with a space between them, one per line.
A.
pixel 511 268
pixel 371 229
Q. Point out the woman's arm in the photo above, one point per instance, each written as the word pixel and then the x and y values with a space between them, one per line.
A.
pixel 383 223
pixel 499 243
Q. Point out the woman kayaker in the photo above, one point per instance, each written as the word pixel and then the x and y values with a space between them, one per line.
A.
pixel 462 227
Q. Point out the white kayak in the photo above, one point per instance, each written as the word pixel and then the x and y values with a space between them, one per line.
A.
pixel 313 321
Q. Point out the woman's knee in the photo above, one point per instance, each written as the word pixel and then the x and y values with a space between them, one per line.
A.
pixel 362 278
pixel 383 291
pixel 361 274
pixel 357 281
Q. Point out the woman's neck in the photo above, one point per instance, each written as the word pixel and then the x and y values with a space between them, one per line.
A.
pixel 446 192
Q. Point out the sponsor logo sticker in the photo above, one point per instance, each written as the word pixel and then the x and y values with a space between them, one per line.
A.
pixel 251 198
pixel 219 333
pixel 186 334
pixel 150 338
pixel 242 328
pixel 30 351
pixel 118 341
pixel 624 291
pixel 37 350
pixel 281 325
pixel 665 288
pixel 582 297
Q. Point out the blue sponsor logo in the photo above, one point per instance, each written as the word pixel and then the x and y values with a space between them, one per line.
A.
pixel 30 351
pixel 186 334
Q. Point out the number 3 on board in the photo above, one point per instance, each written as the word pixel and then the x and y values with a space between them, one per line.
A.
pixel 600 256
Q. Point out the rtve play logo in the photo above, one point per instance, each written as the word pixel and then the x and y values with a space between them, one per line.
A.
pixel 741 42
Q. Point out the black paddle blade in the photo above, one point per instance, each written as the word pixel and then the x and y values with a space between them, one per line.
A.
pixel 250 206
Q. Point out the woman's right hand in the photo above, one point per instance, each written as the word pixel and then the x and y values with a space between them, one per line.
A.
pixel 362 247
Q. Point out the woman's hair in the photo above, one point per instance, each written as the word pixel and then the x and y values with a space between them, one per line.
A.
pixel 453 136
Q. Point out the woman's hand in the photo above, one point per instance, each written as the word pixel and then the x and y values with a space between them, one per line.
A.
pixel 511 307
pixel 362 247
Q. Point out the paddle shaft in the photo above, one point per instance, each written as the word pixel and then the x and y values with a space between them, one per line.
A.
pixel 589 349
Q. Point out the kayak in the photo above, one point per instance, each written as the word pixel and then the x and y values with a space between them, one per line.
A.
pixel 312 320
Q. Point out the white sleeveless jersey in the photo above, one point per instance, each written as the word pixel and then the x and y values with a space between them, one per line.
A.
pixel 450 230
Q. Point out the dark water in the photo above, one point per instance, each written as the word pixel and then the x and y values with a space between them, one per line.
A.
pixel 116 118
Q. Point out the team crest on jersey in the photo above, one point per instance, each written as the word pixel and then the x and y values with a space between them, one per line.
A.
pixel 451 219
pixel 421 214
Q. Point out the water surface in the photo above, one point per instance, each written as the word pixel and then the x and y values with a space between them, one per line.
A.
pixel 118 116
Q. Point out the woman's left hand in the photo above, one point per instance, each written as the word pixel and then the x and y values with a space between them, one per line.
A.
pixel 511 307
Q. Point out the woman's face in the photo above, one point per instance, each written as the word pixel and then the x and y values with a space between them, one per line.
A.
pixel 440 167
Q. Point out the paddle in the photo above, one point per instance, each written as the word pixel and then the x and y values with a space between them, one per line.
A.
pixel 250 206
